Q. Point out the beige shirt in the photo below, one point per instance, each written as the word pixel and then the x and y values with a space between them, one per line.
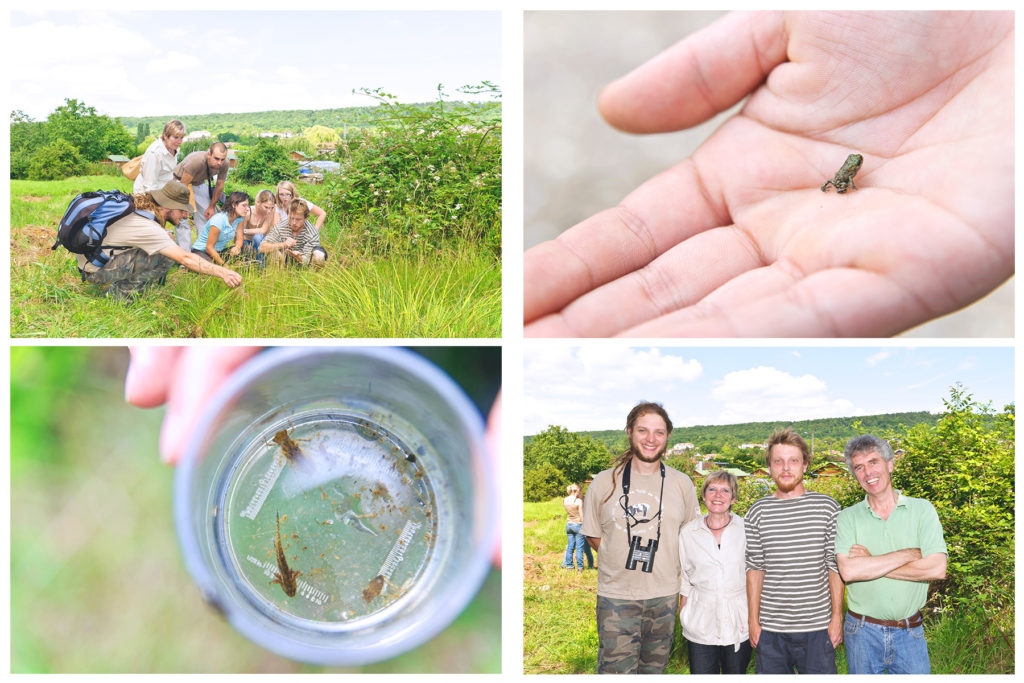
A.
pixel 195 165
pixel 606 519
pixel 131 231
pixel 573 511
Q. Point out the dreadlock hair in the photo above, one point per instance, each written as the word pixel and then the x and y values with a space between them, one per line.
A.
pixel 638 411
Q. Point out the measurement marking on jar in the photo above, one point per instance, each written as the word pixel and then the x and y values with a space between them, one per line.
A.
pixel 263 487
pixel 306 590
pixel 397 553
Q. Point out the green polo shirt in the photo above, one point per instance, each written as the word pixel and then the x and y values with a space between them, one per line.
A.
pixel 912 524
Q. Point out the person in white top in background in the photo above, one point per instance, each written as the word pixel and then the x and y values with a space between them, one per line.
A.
pixel 712 590
pixel 160 159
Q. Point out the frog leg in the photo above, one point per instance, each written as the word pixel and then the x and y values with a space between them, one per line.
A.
pixel 824 187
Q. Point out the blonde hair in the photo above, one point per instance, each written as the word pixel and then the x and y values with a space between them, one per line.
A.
pixel 298 206
pixel 286 185
pixel 172 128
pixel 144 201
pixel 572 487
pixel 264 196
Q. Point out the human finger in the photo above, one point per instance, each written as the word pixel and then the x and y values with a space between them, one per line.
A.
pixel 679 278
pixel 773 302
pixel 700 76
pixel 664 211
pixel 149 374
pixel 200 372
pixel 493 436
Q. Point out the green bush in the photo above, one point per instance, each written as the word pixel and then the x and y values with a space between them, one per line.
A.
pixel 542 483
pixel 267 163
pixel 964 466
pixel 59 159
pixel 424 176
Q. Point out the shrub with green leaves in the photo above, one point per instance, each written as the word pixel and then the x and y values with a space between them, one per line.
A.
pixel 964 466
pixel 59 159
pixel 267 163
pixel 425 175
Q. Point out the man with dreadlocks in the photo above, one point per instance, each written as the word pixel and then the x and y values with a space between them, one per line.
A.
pixel 633 513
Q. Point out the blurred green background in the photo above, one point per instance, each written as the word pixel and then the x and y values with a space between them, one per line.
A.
pixel 97 581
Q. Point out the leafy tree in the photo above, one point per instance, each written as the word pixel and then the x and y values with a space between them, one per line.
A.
pixel 141 132
pixel 319 134
pixel 574 457
pixel 543 483
pixel 265 164
pixel 94 135
pixel 964 465
pixel 58 159
pixel 228 137
pixel 27 137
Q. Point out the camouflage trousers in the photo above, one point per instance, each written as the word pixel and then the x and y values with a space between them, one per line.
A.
pixel 635 636
pixel 130 271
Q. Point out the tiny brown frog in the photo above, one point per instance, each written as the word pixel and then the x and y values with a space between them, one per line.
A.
pixel 284 576
pixel 844 176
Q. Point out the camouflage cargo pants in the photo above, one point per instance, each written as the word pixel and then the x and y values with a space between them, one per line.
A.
pixel 130 271
pixel 635 636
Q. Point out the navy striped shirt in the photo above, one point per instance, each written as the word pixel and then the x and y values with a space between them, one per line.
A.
pixel 792 541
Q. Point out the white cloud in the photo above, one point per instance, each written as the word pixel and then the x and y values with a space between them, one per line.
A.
pixel 877 358
pixel 594 387
pixel 766 393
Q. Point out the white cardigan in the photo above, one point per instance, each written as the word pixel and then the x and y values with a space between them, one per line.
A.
pixel 714 582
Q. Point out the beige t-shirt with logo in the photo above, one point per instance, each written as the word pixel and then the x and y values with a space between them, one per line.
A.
pixel 606 519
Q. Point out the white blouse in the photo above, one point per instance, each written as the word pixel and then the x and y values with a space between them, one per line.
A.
pixel 714 581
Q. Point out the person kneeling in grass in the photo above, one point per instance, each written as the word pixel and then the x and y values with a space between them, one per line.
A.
pixel 294 240
pixel 222 229
pixel 140 250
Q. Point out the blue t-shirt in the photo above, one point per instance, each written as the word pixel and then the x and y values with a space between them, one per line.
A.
pixel 226 236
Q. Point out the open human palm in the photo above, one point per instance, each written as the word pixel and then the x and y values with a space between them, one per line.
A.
pixel 739 239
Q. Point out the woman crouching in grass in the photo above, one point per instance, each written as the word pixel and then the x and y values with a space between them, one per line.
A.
pixel 222 229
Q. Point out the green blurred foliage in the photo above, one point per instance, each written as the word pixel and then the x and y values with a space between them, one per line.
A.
pixel 97 580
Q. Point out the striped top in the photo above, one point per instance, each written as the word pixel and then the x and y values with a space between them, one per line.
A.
pixel 793 542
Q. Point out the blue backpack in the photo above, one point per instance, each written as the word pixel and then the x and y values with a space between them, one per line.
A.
pixel 85 223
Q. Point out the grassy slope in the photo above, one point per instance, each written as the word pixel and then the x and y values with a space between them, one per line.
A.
pixel 452 294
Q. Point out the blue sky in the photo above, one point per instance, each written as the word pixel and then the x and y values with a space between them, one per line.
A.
pixel 593 387
pixel 179 63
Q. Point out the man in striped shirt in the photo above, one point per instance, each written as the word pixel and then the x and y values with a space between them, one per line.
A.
pixel 295 240
pixel 794 592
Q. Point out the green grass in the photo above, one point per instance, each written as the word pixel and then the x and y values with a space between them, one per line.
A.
pixel 450 293
pixel 560 632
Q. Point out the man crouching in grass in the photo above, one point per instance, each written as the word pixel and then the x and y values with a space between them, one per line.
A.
pixel 140 250
pixel 295 240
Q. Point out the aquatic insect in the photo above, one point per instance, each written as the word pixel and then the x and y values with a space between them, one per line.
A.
pixel 373 588
pixel 290 448
pixel 284 576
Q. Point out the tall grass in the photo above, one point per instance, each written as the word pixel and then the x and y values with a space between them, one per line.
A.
pixel 451 292
pixel 560 631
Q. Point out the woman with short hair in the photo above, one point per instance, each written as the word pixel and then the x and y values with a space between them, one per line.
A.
pixel 712 592
pixel 160 159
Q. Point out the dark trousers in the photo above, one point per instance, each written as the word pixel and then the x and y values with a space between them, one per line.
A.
pixel 718 659
pixel 808 653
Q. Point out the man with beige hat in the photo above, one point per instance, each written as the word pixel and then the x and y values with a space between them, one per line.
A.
pixel 141 252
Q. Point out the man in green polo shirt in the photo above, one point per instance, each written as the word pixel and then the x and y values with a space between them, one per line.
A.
pixel 888 547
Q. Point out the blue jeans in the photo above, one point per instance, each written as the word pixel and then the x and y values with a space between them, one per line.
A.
pixel 578 543
pixel 874 649
pixel 810 652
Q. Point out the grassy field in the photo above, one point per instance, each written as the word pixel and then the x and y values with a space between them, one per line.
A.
pixel 97 580
pixel 456 293
pixel 560 634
